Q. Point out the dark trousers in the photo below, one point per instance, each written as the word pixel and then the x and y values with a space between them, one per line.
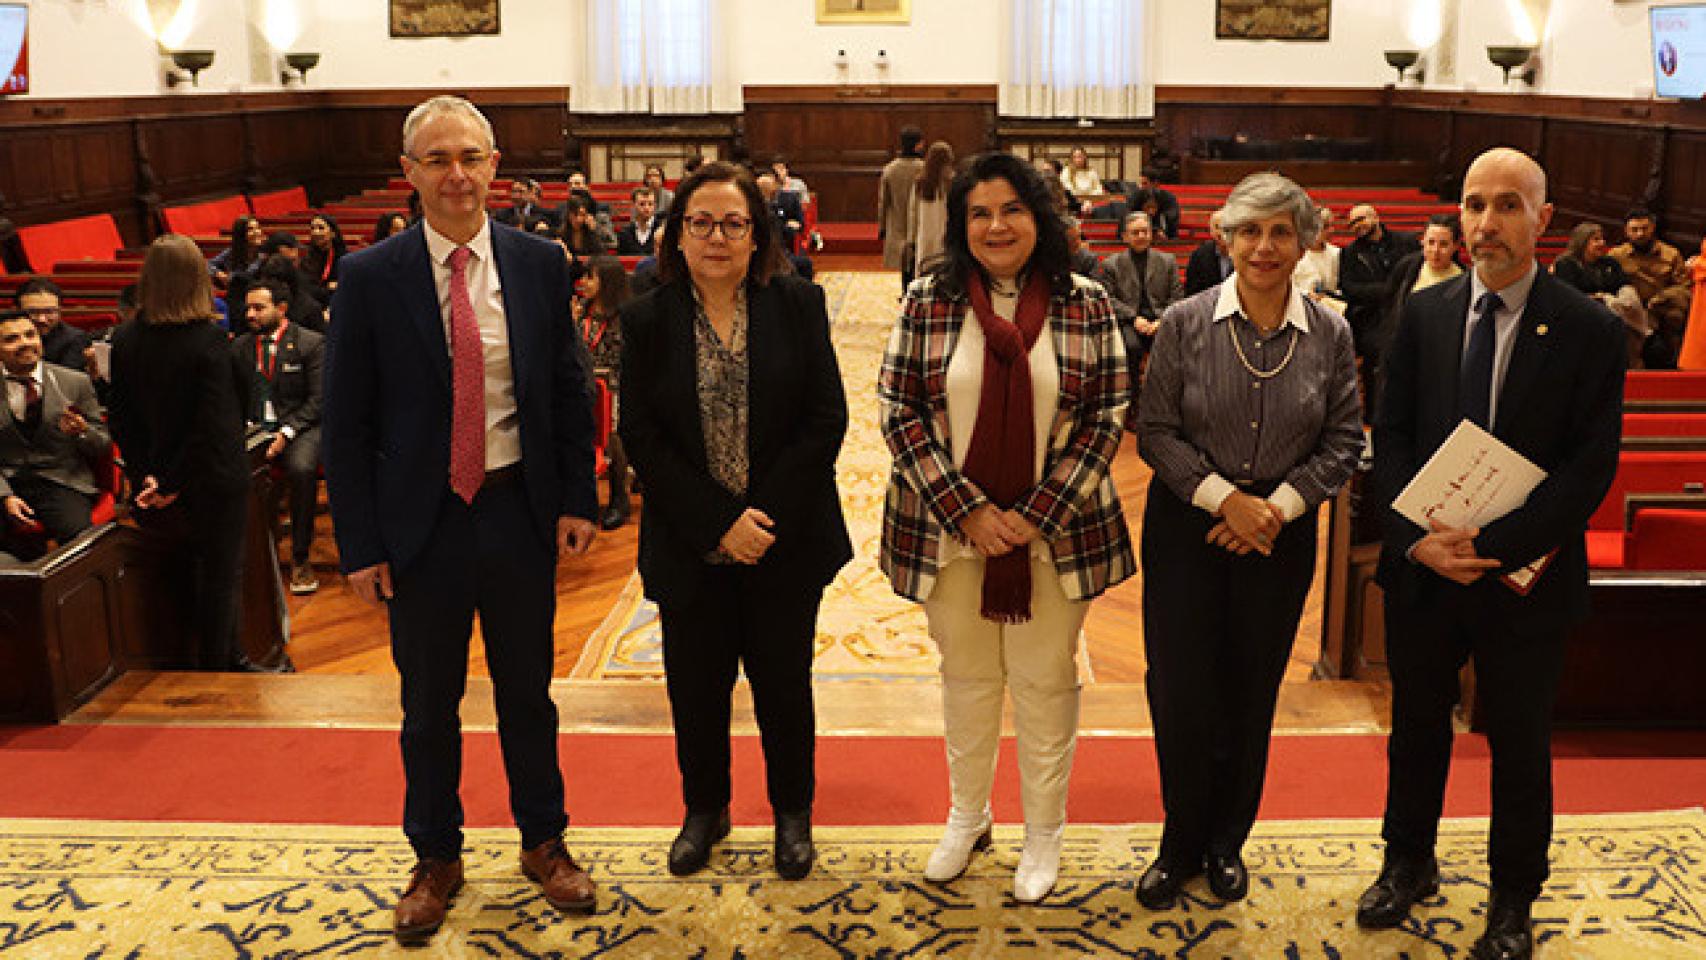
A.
pixel 488 557
pixel 1218 630
pixel 62 511
pixel 728 626
pixel 210 524
pixel 1517 676
pixel 301 462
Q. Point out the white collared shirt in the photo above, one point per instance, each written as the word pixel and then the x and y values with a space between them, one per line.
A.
pixel 16 394
pixel 1505 323
pixel 485 289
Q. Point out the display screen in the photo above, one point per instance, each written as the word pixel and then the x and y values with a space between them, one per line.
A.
pixel 14 48
pixel 1679 51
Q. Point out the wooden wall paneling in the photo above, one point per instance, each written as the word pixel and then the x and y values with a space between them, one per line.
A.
pixel 532 138
pixel 1475 133
pixel 59 171
pixel 195 157
pixel 1597 171
pixel 286 147
pixel 1684 193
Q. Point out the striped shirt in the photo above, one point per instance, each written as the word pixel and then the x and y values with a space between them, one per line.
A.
pixel 1207 425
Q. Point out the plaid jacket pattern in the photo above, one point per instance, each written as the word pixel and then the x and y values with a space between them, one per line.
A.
pixel 1074 505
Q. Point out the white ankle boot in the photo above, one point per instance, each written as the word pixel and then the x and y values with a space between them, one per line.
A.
pixel 1039 863
pixel 964 835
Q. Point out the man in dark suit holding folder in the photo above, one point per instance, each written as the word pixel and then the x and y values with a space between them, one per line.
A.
pixel 1540 366
pixel 458 444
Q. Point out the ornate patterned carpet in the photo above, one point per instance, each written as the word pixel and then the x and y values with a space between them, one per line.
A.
pixel 1622 887
pixel 865 632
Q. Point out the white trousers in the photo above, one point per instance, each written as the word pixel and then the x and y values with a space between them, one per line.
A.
pixel 1036 660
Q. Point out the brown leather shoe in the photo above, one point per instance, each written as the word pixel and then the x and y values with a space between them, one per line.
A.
pixel 421 910
pixel 567 887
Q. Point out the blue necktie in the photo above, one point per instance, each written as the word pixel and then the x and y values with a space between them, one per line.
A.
pixel 1476 389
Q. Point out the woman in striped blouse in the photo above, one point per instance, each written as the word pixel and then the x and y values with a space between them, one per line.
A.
pixel 1249 417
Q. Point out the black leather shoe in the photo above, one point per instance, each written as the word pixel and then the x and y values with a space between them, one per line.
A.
pixel 1403 881
pixel 1227 878
pixel 794 850
pixel 1509 933
pixel 612 517
pixel 1158 888
pixel 692 847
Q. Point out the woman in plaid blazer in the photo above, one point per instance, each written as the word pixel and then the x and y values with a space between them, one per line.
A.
pixel 1003 389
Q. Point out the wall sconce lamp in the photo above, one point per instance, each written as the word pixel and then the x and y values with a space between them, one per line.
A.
pixel 191 61
pixel 1402 60
pixel 301 63
pixel 1510 58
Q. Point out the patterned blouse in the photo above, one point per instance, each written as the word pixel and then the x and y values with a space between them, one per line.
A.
pixel 723 369
pixel 603 336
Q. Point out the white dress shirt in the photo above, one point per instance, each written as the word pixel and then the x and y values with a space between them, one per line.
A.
pixel 15 393
pixel 485 289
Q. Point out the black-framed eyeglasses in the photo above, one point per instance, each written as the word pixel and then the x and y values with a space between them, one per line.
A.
pixel 734 226
pixel 42 313
pixel 441 162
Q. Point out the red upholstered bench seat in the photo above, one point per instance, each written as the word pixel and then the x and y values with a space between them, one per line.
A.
pixel 1607 549
pixel 1665 385
pixel 1648 471
pixel 1667 539
pixel 1664 425
pixel 46 245
pixel 207 217
pixel 279 202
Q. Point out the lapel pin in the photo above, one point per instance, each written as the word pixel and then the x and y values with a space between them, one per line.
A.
pixel 1541 330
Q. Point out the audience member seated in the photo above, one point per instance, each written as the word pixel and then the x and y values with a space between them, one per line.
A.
pixel 306 310
pixel 638 237
pixel 1435 262
pixel 1585 266
pixel 580 228
pixel 1053 175
pixel 61 343
pixel 790 217
pixel 320 261
pixel 284 399
pixel 387 225
pixel 1084 262
pixel 1365 267
pixel 524 210
pixel 1164 215
pixel 1079 178
pixel 665 196
pixel 246 239
pixel 51 438
pixel 1669 312
pixel 1210 262
pixel 1651 264
pixel 279 243
pixel 1143 283
pixel 1317 274
pixel 787 182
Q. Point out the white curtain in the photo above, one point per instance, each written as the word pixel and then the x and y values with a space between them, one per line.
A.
pixel 1077 58
pixel 652 56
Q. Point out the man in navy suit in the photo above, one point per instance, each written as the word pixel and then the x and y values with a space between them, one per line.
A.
pixel 1524 355
pixel 458 440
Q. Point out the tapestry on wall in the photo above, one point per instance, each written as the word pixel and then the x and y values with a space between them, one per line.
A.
pixel 1272 19
pixel 443 18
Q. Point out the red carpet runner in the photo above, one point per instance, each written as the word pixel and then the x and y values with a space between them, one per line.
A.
pixel 274 775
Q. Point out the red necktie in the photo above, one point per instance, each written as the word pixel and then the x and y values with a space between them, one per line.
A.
pixel 467 385
pixel 32 399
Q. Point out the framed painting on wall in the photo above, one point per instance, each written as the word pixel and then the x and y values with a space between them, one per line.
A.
pixel 1272 19
pixel 864 11
pixel 443 18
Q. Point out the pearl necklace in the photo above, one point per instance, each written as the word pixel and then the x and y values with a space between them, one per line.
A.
pixel 1238 348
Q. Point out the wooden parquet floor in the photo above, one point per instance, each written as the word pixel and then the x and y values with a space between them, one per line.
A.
pixel 341 649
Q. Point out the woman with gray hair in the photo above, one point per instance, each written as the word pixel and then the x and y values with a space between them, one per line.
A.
pixel 1585 266
pixel 1249 417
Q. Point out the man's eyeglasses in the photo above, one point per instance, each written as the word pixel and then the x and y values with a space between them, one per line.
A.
pixel 734 226
pixel 42 313
pixel 441 162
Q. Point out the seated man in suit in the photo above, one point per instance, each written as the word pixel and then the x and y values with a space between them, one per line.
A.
pixel 638 237
pixel 1084 262
pixel 50 438
pixel 790 218
pixel 1210 262
pixel 284 397
pixel 1160 203
pixel 61 343
pixel 1143 283
pixel 524 211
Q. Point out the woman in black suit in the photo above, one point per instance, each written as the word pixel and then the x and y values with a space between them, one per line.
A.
pixel 176 412
pixel 732 416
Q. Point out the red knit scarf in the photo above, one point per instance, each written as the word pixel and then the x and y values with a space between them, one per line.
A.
pixel 1003 444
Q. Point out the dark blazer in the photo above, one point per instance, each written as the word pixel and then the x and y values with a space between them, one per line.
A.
pixel 64 345
pixel 296 384
pixel 1203 269
pixel 1364 267
pixel 513 216
pixel 785 206
pixel 628 239
pixel 385 432
pixel 797 418
pixel 48 453
pixel 177 411
pixel 1560 406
